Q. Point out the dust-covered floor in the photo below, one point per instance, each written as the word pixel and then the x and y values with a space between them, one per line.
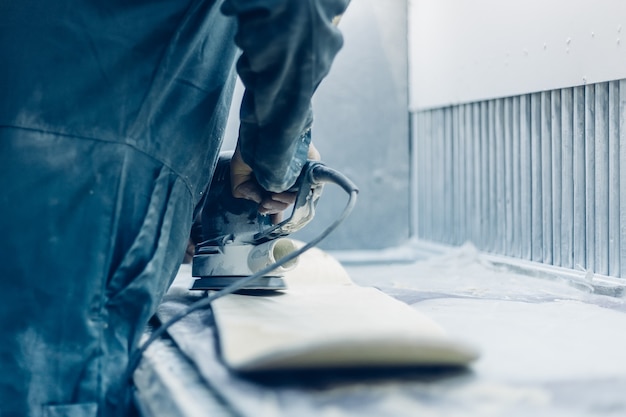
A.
pixel 550 346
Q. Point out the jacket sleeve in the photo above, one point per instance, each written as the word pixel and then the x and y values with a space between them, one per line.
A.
pixel 287 49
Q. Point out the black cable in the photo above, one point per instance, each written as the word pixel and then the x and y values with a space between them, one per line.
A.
pixel 324 174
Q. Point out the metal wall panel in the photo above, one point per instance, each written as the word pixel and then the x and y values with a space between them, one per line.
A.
pixel 621 110
pixel 567 179
pixel 540 176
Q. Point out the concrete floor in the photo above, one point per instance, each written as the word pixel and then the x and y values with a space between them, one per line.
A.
pixel 550 347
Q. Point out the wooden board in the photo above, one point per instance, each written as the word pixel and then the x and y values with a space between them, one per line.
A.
pixel 324 320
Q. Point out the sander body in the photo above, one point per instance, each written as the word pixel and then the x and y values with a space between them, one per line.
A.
pixel 236 241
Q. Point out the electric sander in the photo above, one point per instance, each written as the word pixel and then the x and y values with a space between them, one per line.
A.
pixel 236 241
pixel 238 249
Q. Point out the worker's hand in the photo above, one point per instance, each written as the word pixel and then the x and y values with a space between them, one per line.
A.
pixel 244 185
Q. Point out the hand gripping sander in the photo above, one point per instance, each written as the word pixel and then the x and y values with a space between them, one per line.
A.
pixel 237 241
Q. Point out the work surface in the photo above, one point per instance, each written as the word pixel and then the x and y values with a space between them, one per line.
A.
pixel 549 348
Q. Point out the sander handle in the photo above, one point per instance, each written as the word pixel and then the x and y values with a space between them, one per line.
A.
pixel 309 186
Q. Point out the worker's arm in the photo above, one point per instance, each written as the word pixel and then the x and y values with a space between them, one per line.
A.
pixel 287 49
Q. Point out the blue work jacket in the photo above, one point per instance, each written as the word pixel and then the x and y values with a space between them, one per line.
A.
pixel 112 114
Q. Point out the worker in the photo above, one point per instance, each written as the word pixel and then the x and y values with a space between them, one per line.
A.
pixel 112 114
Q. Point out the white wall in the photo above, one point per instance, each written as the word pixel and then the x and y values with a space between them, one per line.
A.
pixel 470 50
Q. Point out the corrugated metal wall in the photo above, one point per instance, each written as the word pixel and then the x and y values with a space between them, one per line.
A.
pixel 539 176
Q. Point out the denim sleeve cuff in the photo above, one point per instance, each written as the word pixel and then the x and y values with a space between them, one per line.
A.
pixel 287 49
